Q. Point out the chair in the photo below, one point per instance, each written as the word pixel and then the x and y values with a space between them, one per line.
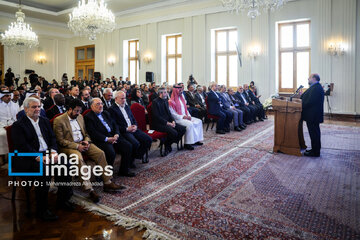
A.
pixel 211 117
pixel 52 120
pixel 150 98
pixel 139 114
pixel 86 112
pixel 27 188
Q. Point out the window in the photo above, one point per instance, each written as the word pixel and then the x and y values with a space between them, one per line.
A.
pixel 133 61
pixel 173 59
pixel 226 72
pixel 85 62
pixel 294 55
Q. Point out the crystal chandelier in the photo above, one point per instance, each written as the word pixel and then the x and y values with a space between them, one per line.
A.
pixel 20 34
pixel 252 6
pixel 91 18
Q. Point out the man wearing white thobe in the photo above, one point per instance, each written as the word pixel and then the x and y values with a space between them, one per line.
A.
pixel 194 127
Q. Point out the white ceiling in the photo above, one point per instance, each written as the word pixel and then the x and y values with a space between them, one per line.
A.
pixel 58 10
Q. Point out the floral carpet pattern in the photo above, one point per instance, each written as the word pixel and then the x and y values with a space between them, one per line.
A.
pixel 234 187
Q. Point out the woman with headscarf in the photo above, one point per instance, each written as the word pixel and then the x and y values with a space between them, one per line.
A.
pixel 194 127
pixel 136 97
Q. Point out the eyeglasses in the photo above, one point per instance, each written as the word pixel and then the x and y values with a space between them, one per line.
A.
pixel 36 106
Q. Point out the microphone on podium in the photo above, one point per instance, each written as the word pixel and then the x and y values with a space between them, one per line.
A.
pixel 296 92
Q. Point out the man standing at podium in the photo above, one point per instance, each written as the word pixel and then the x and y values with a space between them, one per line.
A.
pixel 313 113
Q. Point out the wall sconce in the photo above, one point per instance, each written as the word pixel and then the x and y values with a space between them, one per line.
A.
pixel 111 61
pixel 254 51
pixel 148 58
pixel 41 59
pixel 336 49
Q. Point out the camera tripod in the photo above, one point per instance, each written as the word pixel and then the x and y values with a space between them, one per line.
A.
pixel 329 107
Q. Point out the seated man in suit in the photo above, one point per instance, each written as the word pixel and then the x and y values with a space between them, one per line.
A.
pixel 194 127
pixel 239 105
pixel 49 100
pixel 107 98
pixel 245 105
pixel 255 102
pixel 200 96
pixel 215 107
pixel 33 134
pixel 59 106
pixel 72 138
pixel 85 97
pixel 193 103
pixel 313 113
pixel 74 94
pixel 105 134
pixel 126 122
pixel 163 121
pixel 229 105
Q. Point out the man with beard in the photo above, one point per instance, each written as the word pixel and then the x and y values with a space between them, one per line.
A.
pixel 313 113
pixel 85 97
pixel 163 121
pixel 73 138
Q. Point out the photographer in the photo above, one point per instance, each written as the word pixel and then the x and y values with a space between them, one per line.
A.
pixel 191 81
pixel 9 78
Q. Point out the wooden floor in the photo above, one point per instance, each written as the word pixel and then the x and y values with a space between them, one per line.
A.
pixel 14 224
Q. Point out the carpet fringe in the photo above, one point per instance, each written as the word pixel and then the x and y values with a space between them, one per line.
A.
pixel 151 233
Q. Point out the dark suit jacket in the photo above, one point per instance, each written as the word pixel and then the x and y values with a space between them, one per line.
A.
pixel 112 101
pixel 51 112
pixel 26 140
pixel 191 100
pixel 253 97
pixel 241 100
pixel 48 102
pixel 160 112
pixel 117 115
pixel 44 85
pixel 197 96
pixel 313 104
pixel 83 107
pixel 153 96
pixel 213 103
pixel 96 128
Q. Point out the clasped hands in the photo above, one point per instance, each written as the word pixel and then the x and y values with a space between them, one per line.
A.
pixel 171 124
pixel 113 139
pixel 131 128
pixel 83 146
pixel 187 117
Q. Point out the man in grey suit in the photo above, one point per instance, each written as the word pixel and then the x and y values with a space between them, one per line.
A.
pixel 229 105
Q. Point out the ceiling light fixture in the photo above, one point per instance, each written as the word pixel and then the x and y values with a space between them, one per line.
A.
pixel 19 34
pixel 91 18
pixel 252 6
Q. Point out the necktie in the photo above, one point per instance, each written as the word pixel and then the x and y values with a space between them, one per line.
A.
pixel 86 105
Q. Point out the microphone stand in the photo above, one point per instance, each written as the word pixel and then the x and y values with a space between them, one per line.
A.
pixel 296 92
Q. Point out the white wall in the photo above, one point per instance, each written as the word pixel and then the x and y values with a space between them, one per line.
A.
pixel 331 20
pixel 53 44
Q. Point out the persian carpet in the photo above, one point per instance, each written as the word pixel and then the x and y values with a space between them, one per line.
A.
pixel 234 187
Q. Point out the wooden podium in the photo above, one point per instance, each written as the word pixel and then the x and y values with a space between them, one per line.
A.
pixel 289 137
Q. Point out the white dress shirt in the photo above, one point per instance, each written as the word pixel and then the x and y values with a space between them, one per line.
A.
pixel 43 146
pixel 76 130
pixel 123 111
